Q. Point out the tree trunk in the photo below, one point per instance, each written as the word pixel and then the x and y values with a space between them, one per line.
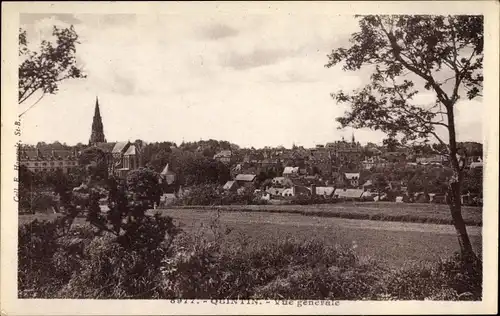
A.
pixel 454 194
pixel 458 221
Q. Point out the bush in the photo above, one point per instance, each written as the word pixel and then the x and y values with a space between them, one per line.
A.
pixel 148 262
pixel 37 246
pixel 125 266
pixel 36 201
pixel 308 200
pixel 47 257
pixel 448 279
pixel 210 194
pixel 206 194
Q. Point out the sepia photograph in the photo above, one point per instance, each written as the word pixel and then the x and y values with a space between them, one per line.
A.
pixel 251 156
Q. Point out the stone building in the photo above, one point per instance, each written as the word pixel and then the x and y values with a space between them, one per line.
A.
pixel 122 156
pixel 346 152
pixel 37 160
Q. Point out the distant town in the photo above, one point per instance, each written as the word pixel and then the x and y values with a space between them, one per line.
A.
pixel 342 169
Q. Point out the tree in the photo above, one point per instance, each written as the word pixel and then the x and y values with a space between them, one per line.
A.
pixel 96 161
pixel 40 72
pixel 473 182
pixel 443 55
pixel 379 182
pixel 391 143
pixel 143 185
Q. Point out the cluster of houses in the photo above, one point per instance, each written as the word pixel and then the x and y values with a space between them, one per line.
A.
pixel 323 172
pixel 292 184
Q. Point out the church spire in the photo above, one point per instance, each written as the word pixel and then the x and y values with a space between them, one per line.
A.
pixel 97 134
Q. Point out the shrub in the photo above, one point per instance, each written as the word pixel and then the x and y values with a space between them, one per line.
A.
pixel 147 261
pixel 47 257
pixel 37 246
pixel 124 266
pixel 36 201
pixel 205 194
pixel 448 279
pixel 308 200
pixel 112 271
pixel 211 194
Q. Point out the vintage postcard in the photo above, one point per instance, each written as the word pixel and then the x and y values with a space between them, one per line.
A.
pixel 249 158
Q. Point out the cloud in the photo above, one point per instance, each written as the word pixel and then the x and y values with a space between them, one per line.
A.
pixel 218 31
pixel 27 19
pixel 257 58
pixel 246 78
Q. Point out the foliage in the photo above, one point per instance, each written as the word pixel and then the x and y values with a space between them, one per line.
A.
pixel 428 47
pixel 450 278
pixel 37 201
pixel 206 266
pixel 441 54
pixel 379 182
pixel 43 70
pixel 205 194
pixel 473 182
pixel 391 143
pixel 195 169
pixel 157 155
pixel 95 161
pixel 211 194
pixel 310 200
pixel 143 184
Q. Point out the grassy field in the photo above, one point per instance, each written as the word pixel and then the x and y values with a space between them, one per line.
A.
pixel 385 211
pixel 390 243
pixel 399 234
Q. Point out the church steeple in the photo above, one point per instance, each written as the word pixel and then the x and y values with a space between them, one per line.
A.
pixel 97 134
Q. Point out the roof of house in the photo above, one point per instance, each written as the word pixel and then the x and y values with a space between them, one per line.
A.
pixel 275 191
pixel 349 193
pixel 368 183
pixel 237 167
pixel 131 150
pixel 166 170
pixel 289 170
pixel 37 154
pixel 170 178
pixel 325 190
pixel 245 177
pixel 30 154
pixel 229 185
pixel 278 179
pixel 223 154
pixel 350 175
pixel 106 147
pixel 119 147
pixel 478 164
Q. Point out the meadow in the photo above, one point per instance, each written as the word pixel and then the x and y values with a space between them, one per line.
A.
pixel 390 233
pixel 389 243
pixel 250 255
pixel 384 211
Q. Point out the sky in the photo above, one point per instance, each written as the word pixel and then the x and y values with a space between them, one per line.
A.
pixel 253 80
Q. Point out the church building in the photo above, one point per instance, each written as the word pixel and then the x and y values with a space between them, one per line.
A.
pixel 122 156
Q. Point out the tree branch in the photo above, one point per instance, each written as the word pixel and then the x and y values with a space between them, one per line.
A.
pixel 41 97
pixel 396 51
